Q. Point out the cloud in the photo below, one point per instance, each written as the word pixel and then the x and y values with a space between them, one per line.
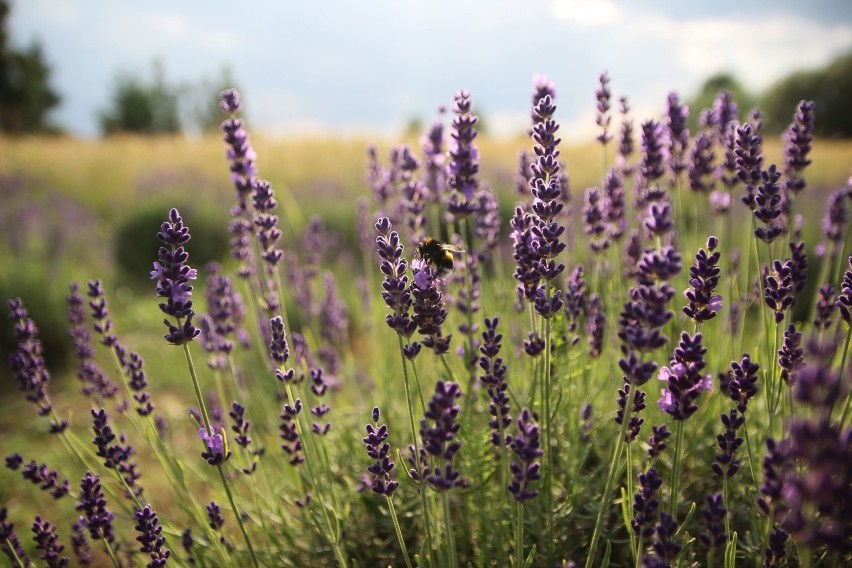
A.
pixel 586 12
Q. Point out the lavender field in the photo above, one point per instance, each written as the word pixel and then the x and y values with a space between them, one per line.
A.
pixel 241 352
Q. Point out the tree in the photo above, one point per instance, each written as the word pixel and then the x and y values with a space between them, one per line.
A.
pixel 26 96
pixel 830 88
pixel 707 95
pixel 142 107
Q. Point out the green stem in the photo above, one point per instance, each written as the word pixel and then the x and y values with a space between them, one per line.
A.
pixel 519 536
pixel 610 478
pixel 848 406
pixel 238 515
pixel 676 469
pixel 548 451
pixel 109 550
pixel 448 522
pixel 398 531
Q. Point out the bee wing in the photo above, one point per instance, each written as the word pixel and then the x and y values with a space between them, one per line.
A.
pixel 451 248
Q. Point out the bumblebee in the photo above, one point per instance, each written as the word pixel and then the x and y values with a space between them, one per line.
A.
pixel 438 254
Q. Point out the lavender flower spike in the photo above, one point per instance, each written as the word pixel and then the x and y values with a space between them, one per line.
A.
pixel 28 366
pixel 378 449
pixel 93 504
pixel 48 541
pixel 527 447
pixel 9 543
pixel 438 430
pixel 150 537
pixel 173 276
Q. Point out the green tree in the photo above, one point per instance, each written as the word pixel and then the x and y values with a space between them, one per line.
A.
pixel 143 107
pixel 707 94
pixel 830 88
pixel 26 96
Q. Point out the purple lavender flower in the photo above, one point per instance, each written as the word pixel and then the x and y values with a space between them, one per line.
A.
pixel 634 422
pixel 266 226
pixel 117 455
pixel 526 445
pixel 93 504
pixel 646 504
pixel 395 289
pixel 614 204
pixel 683 377
pixel 434 172
pixel 742 382
pixel 778 291
pixel 524 245
pixel 657 440
pixel 703 279
pixel 575 297
pixel 594 220
pixel 9 543
pixel 289 432
pixel 47 479
pixel 173 276
pixel 799 259
pixel 586 425
pixel 603 118
pixel 768 206
pixel 726 464
pixel 494 379
pixel 225 311
pixel 797 145
pixel 88 371
pixel 378 449
pixel 595 325
pixel 428 308
pixel 215 519
pixel 677 115
pixel 47 541
pixel 217 451
pixel 463 167
pixel 776 550
pixel 826 305
pixel 188 543
pixel 651 161
pixel 836 216
pixel 546 189
pixel 725 112
pixel 28 366
pixel 714 519
pixel 659 220
pixel 438 430
pixel 700 168
pixel 241 425
pixel 665 546
pixel 79 542
pixel 319 387
pixel 749 161
pixel 150 537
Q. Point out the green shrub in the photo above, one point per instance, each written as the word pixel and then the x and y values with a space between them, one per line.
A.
pixel 136 245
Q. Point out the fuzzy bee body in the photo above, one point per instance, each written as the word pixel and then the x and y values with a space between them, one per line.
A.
pixel 438 254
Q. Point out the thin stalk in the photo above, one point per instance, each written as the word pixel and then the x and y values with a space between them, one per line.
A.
pixel 11 550
pixel 423 503
pixel 548 477
pixel 676 469
pixel 448 522
pixel 398 531
pixel 610 478
pixel 109 550
pixel 848 406
pixel 519 536
pixel 207 428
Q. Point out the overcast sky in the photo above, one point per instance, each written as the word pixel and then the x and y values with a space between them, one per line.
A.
pixel 357 65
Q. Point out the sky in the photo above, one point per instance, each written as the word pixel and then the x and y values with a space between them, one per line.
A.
pixel 369 66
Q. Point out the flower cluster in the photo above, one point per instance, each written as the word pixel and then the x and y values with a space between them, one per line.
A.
pixel 438 431
pixel 225 313
pixel 676 116
pixel 28 366
pixel 428 308
pixel 289 432
pixel 95 382
pixel 378 449
pixel 494 379
pixel 703 279
pixel 844 299
pixel 526 444
pixel 714 519
pixel 778 290
pixel 463 166
pixel 173 275
pixel 594 221
pixel 603 118
pixel 216 446
pixel 797 146
pixel 700 171
pixel 646 504
pixel 47 479
pixel 150 537
pixel 768 205
pixel 683 377
pixel 749 160
pixel 395 289
pixel 46 539
pixel 93 504
pixel 117 454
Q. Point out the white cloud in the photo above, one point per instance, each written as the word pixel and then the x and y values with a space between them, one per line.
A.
pixel 586 12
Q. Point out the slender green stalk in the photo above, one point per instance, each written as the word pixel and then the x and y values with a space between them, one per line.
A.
pixel 14 554
pixel 448 525
pixel 548 476
pixel 676 469
pixel 207 428
pixel 848 406
pixel 109 550
pixel 398 531
pixel 610 478
pixel 519 536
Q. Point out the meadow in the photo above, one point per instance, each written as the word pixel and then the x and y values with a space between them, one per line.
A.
pixel 329 393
